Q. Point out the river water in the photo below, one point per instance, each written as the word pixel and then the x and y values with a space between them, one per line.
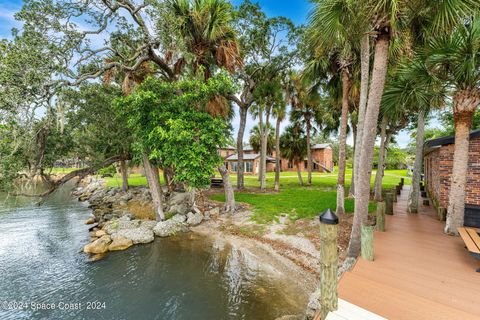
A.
pixel 45 276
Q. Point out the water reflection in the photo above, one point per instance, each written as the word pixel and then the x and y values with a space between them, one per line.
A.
pixel 186 277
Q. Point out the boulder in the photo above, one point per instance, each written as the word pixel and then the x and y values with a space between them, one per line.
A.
pixel 179 198
pixel 215 211
pixel 116 225
pixel 137 235
pixel 99 233
pixel 181 208
pixel 194 218
pixel 179 218
pixel 168 228
pixel 90 220
pixel 120 243
pixel 98 246
pixel 149 224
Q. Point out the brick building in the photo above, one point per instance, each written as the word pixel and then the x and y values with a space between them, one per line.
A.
pixel 321 155
pixel 438 166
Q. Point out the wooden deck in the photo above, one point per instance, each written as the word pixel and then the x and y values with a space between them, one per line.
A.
pixel 418 273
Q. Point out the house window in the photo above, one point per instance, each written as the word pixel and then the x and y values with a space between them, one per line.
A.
pixel 234 166
pixel 305 163
pixel 249 166
pixel 226 165
pixel 290 165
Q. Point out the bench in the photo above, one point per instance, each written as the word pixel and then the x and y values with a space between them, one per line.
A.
pixel 216 183
pixel 472 241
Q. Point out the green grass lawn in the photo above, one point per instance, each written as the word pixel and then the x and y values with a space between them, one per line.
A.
pixel 296 201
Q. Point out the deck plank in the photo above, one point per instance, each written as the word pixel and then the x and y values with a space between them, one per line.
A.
pixel 418 272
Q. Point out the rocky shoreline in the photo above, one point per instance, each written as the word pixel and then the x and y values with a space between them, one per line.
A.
pixel 122 219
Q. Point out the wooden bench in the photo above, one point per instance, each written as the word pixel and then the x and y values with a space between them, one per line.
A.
pixel 472 241
pixel 216 183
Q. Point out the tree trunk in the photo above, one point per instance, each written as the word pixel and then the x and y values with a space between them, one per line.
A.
pixel 260 165
pixel 277 154
pixel 229 193
pixel 153 179
pixel 124 170
pixel 265 132
pixel 351 190
pixel 309 154
pixel 299 173
pixel 362 194
pixel 464 105
pixel 342 144
pixel 240 163
pixel 412 204
pixel 365 72
pixel 381 160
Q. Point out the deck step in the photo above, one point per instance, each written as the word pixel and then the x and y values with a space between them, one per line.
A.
pixel 393 303
pixel 349 311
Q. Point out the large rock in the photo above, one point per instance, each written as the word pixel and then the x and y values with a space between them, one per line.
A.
pixel 194 218
pixel 114 226
pixel 179 218
pixel 149 224
pixel 98 246
pixel 137 235
pixel 168 228
pixel 181 208
pixel 120 243
pixel 179 197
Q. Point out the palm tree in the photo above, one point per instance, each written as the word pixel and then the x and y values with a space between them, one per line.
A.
pixel 206 27
pixel 455 59
pixel 255 139
pixel 388 16
pixel 268 94
pixel 279 112
pixel 413 90
pixel 293 146
pixel 305 104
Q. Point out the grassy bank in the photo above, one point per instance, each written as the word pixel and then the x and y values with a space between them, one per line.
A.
pixel 295 200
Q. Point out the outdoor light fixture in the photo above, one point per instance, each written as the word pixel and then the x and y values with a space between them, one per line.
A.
pixel 329 217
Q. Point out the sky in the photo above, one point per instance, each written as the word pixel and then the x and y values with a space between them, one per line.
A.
pixel 296 10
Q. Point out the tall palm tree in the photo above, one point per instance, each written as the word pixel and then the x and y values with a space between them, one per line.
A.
pixel 280 112
pixel 305 104
pixel 206 26
pixel 414 90
pixel 293 146
pixel 268 94
pixel 334 31
pixel 206 29
pixel 345 25
pixel 388 17
pixel 255 139
pixel 455 59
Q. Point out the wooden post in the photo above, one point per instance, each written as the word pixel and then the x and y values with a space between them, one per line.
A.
pixel 367 242
pixel 399 190
pixel 422 187
pixel 380 216
pixel 388 203
pixel 424 194
pixel 442 213
pixel 426 202
pixel 402 181
pixel 328 263
pixel 394 194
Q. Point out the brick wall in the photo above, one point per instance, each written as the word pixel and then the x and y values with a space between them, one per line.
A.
pixel 438 169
